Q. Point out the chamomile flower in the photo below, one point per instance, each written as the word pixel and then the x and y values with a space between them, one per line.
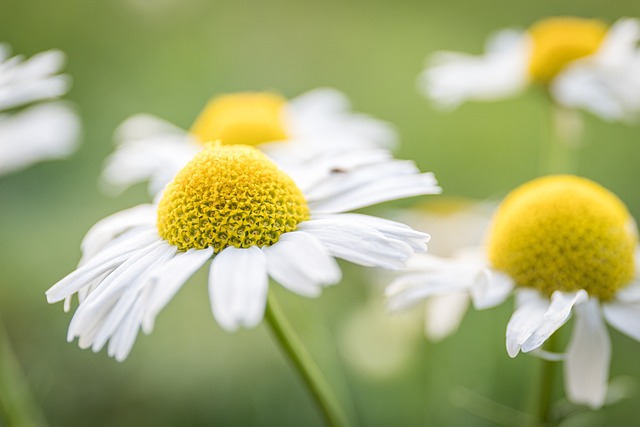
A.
pixel 235 209
pixel 31 133
pixel 454 225
pixel 583 63
pixel 562 245
pixel 291 132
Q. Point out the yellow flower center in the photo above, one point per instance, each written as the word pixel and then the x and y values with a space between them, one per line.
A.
pixel 564 233
pixel 229 195
pixel 559 41
pixel 242 118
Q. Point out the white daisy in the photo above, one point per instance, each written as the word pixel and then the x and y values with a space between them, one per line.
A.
pixel 562 244
pixel 454 225
pixel 233 206
pixel 291 132
pixel 583 63
pixel 44 131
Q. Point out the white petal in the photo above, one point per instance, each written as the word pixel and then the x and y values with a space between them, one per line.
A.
pixel 526 319
pixel 106 229
pixel 376 191
pixel 548 355
pixel 410 289
pixel 422 262
pixel 91 314
pixel 453 78
pixel 122 341
pixel 148 149
pixel 588 357
pixel 5 51
pixel 347 168
pixel 444 314
pixel 42 132
pixel 82 277
pixel 143 126
pixel 89 288
pixel 25 81
pixel 301 264
pixel 322 118
pixel 167 280
pixel 388 228
pixel 623 316
pixel 358 243
pixel 135 288
pixel 327 172
pixel 238 285
pixel 432 276
pixel 607 83
pixel 103 262
pixel 491 288
pixel 631 293
pixel 555 316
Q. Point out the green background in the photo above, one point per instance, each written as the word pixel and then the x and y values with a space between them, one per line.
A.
pixel 167 57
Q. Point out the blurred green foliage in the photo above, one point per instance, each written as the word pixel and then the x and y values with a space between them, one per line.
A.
pixel 167 57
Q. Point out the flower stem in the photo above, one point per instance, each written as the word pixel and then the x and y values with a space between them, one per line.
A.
pixel 304 364
pixel 560 153
pixel 542 397
pixel 17 405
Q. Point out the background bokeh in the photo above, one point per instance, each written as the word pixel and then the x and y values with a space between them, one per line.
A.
pixel 167 57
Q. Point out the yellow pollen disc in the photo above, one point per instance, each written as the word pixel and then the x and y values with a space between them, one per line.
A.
pixel 564 233
pixel 249 118
pixel 229 195
pixel 559 41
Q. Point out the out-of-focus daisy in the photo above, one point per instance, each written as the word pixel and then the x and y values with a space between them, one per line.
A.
pixel 31 133
pixel 455 224
pixel 291 132
pixel 562 244
pixel 583 63
pixel 231 204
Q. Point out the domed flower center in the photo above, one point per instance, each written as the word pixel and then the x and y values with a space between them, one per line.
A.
pixel 229 195
pixel 564 233
pixel 559 41
pixel 242 118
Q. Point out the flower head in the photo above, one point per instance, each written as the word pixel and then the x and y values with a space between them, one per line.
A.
pixel 232 205
pixel 557 42
pixel 291 132
pixel 564 233
pixel 230 196
pixel 583 63
pixel 251 118
pixel 35 132
pixel 562 244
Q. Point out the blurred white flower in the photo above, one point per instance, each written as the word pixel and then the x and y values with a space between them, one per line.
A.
pixel 561 244
pixel 36 132
pixel 233 204
pixel 583 63
pixel 455 224
pixel 291 132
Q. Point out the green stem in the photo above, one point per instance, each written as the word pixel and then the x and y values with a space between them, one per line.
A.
pixel 542 397
pixel 304 364
pixel 17 405
pixel 560 153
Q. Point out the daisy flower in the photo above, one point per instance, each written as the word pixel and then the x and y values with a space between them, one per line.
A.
pixel 562 245
pixel 31 133
pixel 234 208
pixel 583 63
pixel 291 132
pixel 454 224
